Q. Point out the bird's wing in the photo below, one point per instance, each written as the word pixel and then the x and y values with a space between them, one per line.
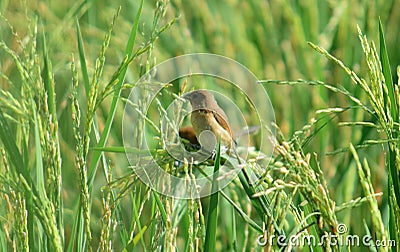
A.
pixel 222 119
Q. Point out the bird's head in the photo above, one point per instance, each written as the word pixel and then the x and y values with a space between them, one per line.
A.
pixel 200 99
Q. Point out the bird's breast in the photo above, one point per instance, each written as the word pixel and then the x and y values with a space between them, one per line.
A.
pixel 204 120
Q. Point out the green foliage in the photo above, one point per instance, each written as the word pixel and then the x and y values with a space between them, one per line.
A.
pixel 212 220
pixel 65 183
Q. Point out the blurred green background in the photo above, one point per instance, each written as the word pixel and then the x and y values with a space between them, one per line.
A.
pixel 268 37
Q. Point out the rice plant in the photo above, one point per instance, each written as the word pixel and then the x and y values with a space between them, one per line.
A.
pixel 66 73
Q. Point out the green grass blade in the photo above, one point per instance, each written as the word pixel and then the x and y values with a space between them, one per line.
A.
pixel 121 149
pixel 234 238
pixel 160 206
pixel 48 79
pixel 393 178
pixel 113 106
pixel 212 220
pixel 139 236
pixel 132 35
pixel 242 213
pixel 136 214
pixel 82 58
pixel 76 233
pixel 3 241
pixel 261 203
pixel 384 58
pixel 11 147
pixel 393 109
pixel 39 162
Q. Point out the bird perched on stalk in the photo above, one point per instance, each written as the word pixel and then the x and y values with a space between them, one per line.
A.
pixel 207 115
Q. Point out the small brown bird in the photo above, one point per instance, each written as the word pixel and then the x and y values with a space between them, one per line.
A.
pixel 208 115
